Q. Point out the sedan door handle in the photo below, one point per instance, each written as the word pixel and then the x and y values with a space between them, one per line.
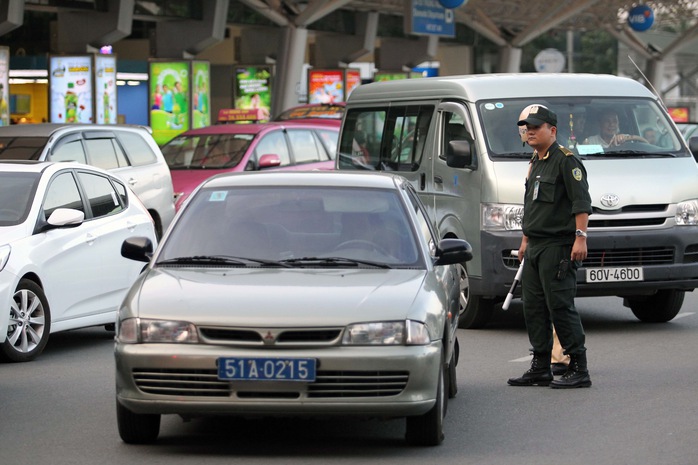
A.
pixel 132 182
pixel 89 238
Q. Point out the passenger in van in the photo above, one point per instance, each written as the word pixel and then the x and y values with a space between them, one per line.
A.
pixel 650 135
pixel 609 132
pixel 557 205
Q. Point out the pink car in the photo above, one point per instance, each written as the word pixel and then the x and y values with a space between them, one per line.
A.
pixel 198 154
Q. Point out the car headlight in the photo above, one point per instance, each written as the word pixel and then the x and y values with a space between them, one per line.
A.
pixel 386 333
pixel 4 255
pixel 687 213
pixel 502 217
pixel 136 330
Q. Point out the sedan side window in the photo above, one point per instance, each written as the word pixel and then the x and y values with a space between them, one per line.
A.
pixel 62 193
pixel 102 197
pixel 274 142
pixel 305 146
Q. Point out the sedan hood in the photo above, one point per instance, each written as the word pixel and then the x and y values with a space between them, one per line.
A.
pixel 273 297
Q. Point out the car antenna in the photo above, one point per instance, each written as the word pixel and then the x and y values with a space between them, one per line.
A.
pixel 649 83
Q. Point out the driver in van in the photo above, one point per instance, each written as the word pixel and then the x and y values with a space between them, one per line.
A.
pixel 609 136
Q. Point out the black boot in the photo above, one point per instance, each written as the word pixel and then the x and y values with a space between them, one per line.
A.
pixel 538 375
pixel 577 375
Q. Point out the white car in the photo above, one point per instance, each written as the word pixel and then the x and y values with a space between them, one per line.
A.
pixel 128 151
pixel 61 230
pixel 293 293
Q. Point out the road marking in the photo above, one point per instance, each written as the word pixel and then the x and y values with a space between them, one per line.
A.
pixel 522 359
pixel 681 315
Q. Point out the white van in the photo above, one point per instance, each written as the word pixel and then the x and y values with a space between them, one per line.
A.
pixel 456 139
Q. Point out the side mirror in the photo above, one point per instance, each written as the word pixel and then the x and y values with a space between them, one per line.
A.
pixel 460 154
pixel 269 160
pixel 138 248
pixel 61 218
pixel 451 251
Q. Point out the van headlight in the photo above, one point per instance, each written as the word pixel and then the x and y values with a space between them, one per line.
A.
pixel 136 330
pixel 687 213
pixel 502 217
pixel 407 332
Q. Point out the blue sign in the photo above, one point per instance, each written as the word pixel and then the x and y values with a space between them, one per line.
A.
pixel 640 18
pixel 428 17
pixel 451 3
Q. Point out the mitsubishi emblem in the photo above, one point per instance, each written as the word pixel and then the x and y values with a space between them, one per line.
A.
pixel 269 338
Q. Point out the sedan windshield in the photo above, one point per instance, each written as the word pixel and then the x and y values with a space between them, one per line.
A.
pixel 208 151
pixel 291 226
pixel 16 194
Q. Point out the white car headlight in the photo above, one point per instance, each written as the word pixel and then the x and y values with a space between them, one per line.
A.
pixel 386 333
pixel 4 255
pixel 687 213
pixel 135 330
pixel 502 217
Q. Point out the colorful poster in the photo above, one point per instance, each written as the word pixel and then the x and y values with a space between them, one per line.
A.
pixel 325 86
pixel 353 80
pixel 70 89
pixel 379 77
pixel 105 89
pixel 201 94
pixel 252 89
pixel 169 99
pixel 679 114
pixel 4 86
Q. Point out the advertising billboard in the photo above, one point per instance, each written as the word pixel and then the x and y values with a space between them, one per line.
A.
pixel 352 80
pixel 71 89
pixel 169 99
pixel 252 89
pixel 105 89
pixel 4 86
pixel 325 85
pixel 201 94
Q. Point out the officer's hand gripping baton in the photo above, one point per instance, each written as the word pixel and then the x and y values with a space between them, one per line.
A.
pixel 510 295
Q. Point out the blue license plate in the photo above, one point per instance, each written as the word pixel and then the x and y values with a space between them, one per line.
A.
pixel 266 369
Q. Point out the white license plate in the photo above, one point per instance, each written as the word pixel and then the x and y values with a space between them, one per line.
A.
pixel 266 369
pixel 607 275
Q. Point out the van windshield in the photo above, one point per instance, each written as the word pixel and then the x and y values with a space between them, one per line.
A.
pixel 592 127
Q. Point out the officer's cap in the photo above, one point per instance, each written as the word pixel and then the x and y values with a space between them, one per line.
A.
pixel 537 115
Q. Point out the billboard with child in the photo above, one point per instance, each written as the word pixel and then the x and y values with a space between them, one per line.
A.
pixel 169 99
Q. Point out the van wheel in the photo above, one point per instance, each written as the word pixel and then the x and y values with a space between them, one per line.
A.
pixel 658 308
pixel 475 312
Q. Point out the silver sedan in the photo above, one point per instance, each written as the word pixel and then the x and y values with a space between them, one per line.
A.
pixel 296 293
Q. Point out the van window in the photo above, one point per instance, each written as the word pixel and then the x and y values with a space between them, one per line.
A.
pixel 70 151
pixel 390 139
pixel 105 154
pixel 648 131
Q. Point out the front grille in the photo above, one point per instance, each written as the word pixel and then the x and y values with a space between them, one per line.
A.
pixel 691 254
pixel 597 222
pixel 328 384
pixel 169 382
pixel 271 336
pixel 630 257
pixel 358 384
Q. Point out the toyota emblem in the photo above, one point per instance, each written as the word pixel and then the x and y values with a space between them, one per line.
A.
pixel 610 200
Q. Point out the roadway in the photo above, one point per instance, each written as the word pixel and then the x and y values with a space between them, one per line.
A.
pixel 641 408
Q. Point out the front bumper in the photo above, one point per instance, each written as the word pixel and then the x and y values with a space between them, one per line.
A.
pixel 365 381
pixel 669 258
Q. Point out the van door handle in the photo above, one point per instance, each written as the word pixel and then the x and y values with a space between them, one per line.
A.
pixel 132 181
pixel 438 180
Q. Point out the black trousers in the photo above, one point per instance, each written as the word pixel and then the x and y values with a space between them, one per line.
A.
pixel 548 298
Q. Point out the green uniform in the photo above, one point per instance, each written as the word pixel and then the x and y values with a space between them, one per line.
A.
pixel 556 190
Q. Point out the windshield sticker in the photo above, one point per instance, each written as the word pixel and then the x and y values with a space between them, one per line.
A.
pixel 489 106
pixel 499 105
pixel 587 149
pixel 218 196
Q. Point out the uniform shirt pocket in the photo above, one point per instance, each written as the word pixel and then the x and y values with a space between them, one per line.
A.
pixel 545 187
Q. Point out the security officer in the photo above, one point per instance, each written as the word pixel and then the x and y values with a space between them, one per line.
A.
pixel 556 213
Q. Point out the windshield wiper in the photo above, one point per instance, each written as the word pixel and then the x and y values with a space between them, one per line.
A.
pixel 220 260
pixel 338 261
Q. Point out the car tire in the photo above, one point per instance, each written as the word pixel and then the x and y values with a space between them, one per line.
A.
pixel 659 308
pixel 29 325
pixel 135 428
pixel 452 375
pixel 428 429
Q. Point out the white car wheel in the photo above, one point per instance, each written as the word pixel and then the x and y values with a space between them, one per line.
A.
pixel 29 324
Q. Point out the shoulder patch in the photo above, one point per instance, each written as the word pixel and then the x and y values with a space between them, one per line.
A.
pixel 566 151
